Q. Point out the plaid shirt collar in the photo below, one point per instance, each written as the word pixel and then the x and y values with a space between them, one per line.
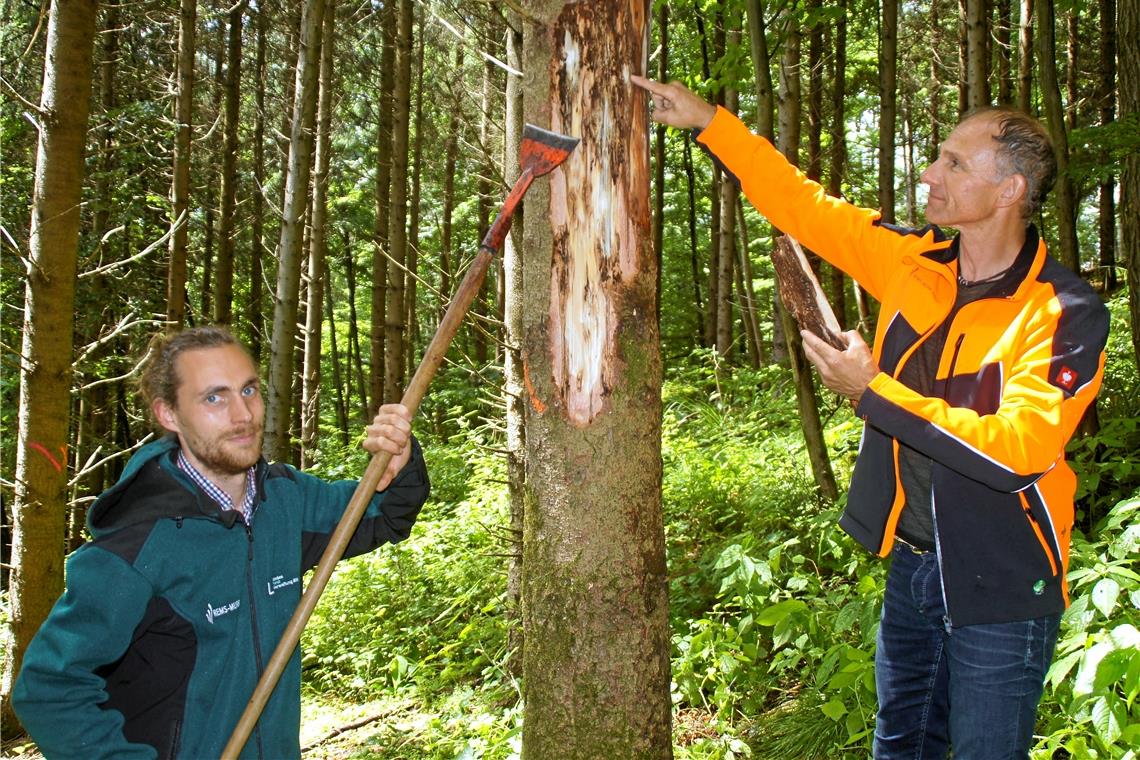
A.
pixel 217 494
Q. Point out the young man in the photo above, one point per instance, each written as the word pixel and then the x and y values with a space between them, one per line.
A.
pixel 987 353
pixel 173 608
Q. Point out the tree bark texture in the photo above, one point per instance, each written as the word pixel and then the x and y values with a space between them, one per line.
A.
pixel 595 586
pixel 289 246
pixel 39 506
pixel 180 186
pixel 838 133
pixel 977 58
pixel 255 322
pixel 1025 57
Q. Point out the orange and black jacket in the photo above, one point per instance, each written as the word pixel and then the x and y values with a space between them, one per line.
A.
pixel 1018 370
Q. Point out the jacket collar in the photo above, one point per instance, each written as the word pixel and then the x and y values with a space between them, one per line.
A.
pixel 1030 259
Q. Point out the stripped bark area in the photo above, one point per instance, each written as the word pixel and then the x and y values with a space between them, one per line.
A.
pixel 802 294
pixel 599 205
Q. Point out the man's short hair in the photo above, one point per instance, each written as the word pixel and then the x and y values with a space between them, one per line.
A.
pixel 159 380
pixel 1025 148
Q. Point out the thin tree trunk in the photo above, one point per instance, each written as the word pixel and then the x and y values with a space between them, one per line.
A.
pixel 1128 30
pixel 224 283
pixel 888 100
pixel 289 247
pixel 748 295
pixel 838 132
pixel 1068 252
pixel 514 385
pixel 39 505
pixel 334 351
pixel 210 198
pixel 690 183
pixel 808 404
pixel 255 321
pixel 1106 94
pixel 398 210
pixel 388 20
pixel 597 658
pixel 1025 57
pixel 318 247
pixel 1004 42
pixel 1072 56
pixel 659 149
pixel 714 302
pixel 355 359
pixel 726 247
pixel 483 205
pixel 180 187
pixel 412 274
pixel 451 150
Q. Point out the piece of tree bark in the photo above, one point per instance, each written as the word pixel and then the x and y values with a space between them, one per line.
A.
pixel 802 294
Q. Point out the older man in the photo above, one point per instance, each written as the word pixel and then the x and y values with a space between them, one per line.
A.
pixel 194 568
pixel 987 354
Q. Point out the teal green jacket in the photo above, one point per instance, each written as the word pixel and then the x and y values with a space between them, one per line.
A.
pixel 174 607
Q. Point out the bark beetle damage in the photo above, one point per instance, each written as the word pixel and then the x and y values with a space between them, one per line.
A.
pixel 599 201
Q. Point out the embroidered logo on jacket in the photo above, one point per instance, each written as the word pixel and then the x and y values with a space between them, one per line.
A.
pixel 278 582
pixel 1066 378
pixel 216 612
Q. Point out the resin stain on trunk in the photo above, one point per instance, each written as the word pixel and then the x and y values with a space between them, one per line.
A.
pixel 595 202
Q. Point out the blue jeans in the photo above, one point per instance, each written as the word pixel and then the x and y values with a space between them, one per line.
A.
pixel 974 688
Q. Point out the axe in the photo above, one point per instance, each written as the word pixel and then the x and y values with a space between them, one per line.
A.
pixel 540 153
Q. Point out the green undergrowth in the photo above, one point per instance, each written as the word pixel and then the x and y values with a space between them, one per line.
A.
pixel 773 609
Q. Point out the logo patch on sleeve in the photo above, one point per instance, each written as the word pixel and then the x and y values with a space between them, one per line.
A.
pixel 1066 377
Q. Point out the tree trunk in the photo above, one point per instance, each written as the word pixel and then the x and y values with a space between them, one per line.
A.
pixel 224 280
pixel 713 288
pixel 694 256
pixel 355 360
pixel 398 210
pixel 289 246
pixel 451 150
pixel 483 205
pixel 1025 57
pixel 659 150
pixel 726 249
pixel 388 20
pixel 1004 42
pixel 318 247
pixel 412 275
pixel 595 583
pixel 838 132
pixel 788 144
pixel 888 99
pixel 1128 30
pixel 255 320
pixel 514 384
pixel 1106 95
pixel 180 187
pixel 963 58
pixel 339 375
pixel 977 58
pixel 39 505
pixel 748 295
pixel 1072 55
pixel 1065 194
pixel 210 169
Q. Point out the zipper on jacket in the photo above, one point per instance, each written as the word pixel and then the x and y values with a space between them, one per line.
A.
pixel 938 558
pixel 257 658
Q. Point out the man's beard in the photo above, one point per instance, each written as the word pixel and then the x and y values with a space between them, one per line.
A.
pixel 222 457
